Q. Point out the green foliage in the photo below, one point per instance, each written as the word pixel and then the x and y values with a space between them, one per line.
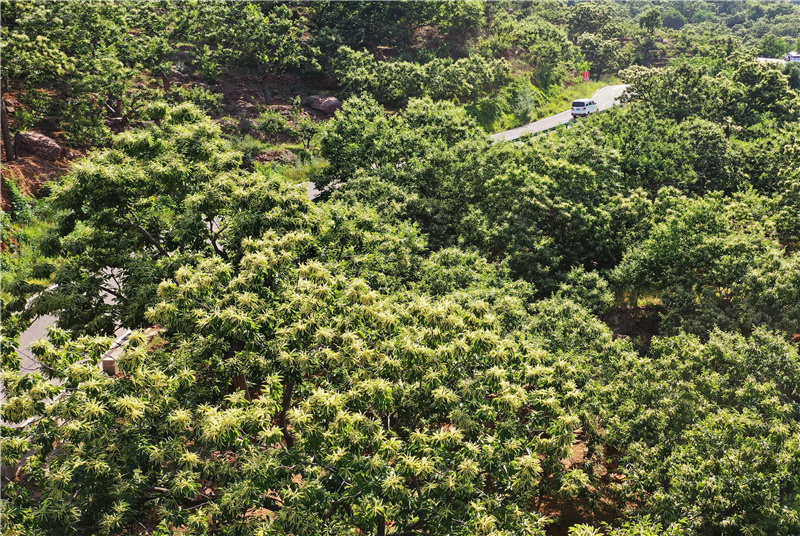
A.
pixel 395 82
pixel 446 395
pixel 249 147
pixel 248 34
pixel 524 102
pixel 753 93
pixel 643 527
pixel 594 18
pixel 21 231
pixel 363 137
pixel 787 221
pixel 272 123
pixel 150 199
pixel 417 351
pixel 710 260
pixel 709 430
pixel 366 24
pixel 773 46
pixel 792 71
pixel 81 53
pixel 694 156
pixel 534 42
pixel 20 204
pixel 588 289
pixel 205 99
pixel 353 138
pixel 672 18
pixel 206 62
pixel 452 269
pixel 650 20
pixel 765 157
pixel 604 55
pixel 307 130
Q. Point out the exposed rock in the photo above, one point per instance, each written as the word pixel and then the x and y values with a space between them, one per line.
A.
pixel 246 107
pixel 241 107
pixel 246 126
pixel 38 144
pixel 285 156
pixel 325 104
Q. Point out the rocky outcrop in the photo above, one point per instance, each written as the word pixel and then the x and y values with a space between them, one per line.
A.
pixel 325 104
pixel 39 145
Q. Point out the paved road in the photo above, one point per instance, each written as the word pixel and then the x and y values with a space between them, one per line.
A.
pixel 38 330
pixel 313 193
pixel 605 97
pixel 773 60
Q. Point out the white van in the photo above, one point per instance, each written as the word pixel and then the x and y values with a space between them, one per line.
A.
pixel 583 107
pixel 792 56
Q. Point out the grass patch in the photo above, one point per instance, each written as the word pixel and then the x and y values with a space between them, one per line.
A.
pixel 307 170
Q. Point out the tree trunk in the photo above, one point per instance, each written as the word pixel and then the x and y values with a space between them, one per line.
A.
pixel 265 91
pixel 11 153
pixel 288 389
pixel 240 384
pixel 239 380
pixel 264 85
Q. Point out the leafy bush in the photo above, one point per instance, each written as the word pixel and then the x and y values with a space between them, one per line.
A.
pixel 714 268
pixel 203 98
pixel 249 146
pixel 452 269
pixel 588 289
pixel 672 18
pixel 272 123
pixel 207 64
pixel 307 129
pixel 524 100
pixel 541 46
pixel 20 204
pixel 394 82
pixel 413 353
pixel 86 125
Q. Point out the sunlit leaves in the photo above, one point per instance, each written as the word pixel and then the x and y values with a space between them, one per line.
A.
pixel 716 422
pixel 395 82
pixel 714 267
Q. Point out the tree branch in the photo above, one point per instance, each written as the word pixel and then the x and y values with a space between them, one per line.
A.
pixel 381 526
pixel 112 292
pixel 147 235
pixel 221 252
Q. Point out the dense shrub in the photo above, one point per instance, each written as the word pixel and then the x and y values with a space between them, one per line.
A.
pixel 394 82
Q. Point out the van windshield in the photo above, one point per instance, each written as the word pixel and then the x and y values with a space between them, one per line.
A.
pixel 579 104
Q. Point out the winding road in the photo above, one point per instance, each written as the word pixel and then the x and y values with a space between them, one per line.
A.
pixel 605 97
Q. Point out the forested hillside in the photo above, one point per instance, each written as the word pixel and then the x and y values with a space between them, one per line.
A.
pixel 372 319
